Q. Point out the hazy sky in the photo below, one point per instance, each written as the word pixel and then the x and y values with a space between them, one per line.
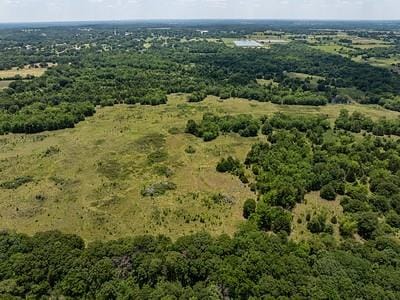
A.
pixel 74 10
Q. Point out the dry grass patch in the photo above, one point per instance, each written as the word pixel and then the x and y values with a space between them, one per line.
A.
pixel 312 206
pixel 24 73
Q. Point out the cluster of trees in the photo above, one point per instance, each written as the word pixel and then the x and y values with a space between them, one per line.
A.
pixel 301 123
pixel 233 166
pixel 251 264
pixel 302 155
pixel 40 117
pixel 281 94
pixel 248 126
pixel 364 171
pixel 392 103
pixel 197 96
pixel 211 126
pixel 357 122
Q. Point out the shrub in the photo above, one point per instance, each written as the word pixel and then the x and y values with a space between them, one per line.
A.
pixel 267 128
pixel 163 170
pixel 197 97
pixel 210 135
pixel 174 130
pixel 190 150
pixel 158 189
pixel 228 165
pixel 16 183
pixel 249 208
pixel 273 218
pixel 157 156
pixel 347 227
pixel 191 127
pixel 367 223
pixel 223 199
pixel 317 224
pixel 328 192
pixel 393 219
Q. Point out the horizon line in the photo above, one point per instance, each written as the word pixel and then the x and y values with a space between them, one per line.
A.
pixel 193 19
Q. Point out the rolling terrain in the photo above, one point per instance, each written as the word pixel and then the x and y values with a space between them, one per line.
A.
pixel 90 179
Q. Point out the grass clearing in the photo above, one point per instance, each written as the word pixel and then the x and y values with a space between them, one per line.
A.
pixel 4 84
pixel 25 72
pixel 90 179
pixel 267 82
pixel 302 76
pixel 230 42
pixel 312 206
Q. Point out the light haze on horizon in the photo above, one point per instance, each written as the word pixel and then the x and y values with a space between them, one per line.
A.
pixel 96 10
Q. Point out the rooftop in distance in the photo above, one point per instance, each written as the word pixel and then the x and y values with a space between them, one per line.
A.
pixel 247 43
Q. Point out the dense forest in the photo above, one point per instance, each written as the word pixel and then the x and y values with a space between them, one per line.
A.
pixel 251 265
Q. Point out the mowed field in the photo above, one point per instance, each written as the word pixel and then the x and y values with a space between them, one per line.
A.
pixel 89 180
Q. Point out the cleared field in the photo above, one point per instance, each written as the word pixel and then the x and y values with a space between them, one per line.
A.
pixel 371 46
pixel 333 49
pixel 302 76
pixel 230 42
pixel 267 82
pixel 312 206
pixel 22 72
pixel 384 62
pixel 89 180
pixel 4 84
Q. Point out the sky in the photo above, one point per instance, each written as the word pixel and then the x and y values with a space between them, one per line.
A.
pixel 82 10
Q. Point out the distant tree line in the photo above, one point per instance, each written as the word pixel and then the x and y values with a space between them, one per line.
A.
pixel 121 74
pixel 357 122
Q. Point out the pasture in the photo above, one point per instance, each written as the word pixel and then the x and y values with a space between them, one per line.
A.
pixel 92 180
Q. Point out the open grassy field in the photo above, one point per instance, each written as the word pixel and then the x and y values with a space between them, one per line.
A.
pixel 302 76
pixel 89 180
pixel 22 72
pixel 312 206
pixel 230 41
pixel 267 82
pixel 4 84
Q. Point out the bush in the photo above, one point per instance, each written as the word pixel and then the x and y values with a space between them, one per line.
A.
pixel 158 189
pixel 367 223
pixel 228 165
pixel 317 224
pixel 328 192
pixel 191 128
pixel 393 219
pixel 347 227
pixel 163 170
pixel 249 208
pixel 273 218
pixel 223 199
pixel 16 183
pixel 197 97
pixel 266 128
pixel 210 135
pixel 157 156
pixel 190 150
